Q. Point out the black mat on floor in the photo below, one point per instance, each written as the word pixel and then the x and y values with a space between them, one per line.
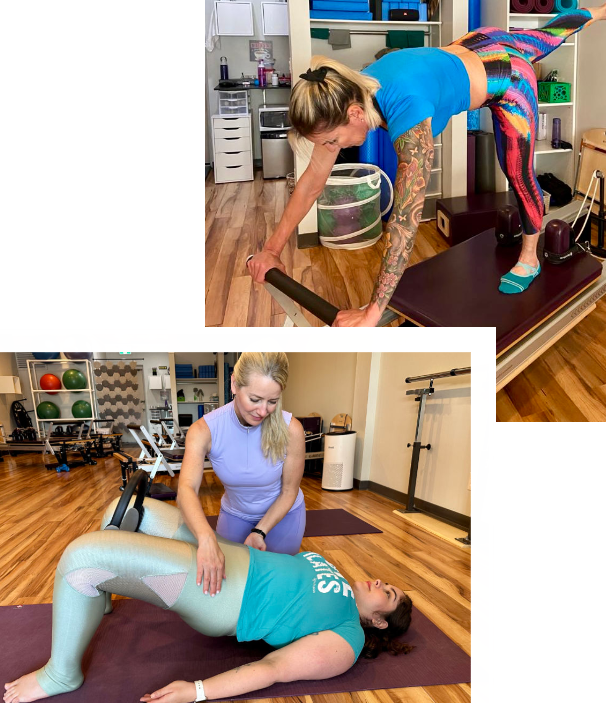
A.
pixel 328 523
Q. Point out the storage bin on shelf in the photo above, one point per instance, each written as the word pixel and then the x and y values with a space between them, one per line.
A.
pixel 340 10
pixel 551 92
pixel 233 102
pixel 349 211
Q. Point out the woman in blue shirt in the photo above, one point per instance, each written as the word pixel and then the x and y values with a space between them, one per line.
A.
pixel 301 605
pixel 413 93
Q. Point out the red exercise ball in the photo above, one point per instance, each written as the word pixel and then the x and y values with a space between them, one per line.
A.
pixel 50 382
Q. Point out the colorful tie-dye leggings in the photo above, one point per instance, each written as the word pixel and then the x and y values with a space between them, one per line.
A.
pixel 512 99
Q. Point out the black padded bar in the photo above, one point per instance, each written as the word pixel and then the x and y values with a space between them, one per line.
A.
pixel 441 374
pixel 319 307
pixel 133 427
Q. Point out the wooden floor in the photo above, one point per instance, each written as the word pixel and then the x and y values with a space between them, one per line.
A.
pixel 239 219
pixel 43 512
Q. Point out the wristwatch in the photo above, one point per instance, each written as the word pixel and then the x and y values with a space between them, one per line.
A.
pixel 200 695
pixel 259 532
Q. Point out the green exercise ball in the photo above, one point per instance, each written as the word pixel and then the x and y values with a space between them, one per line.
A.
pixel 82 408
pixel 48 411
pixel 74 380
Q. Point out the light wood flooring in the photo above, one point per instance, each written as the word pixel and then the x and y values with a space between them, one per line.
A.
pixel 239 219
pixel 43 512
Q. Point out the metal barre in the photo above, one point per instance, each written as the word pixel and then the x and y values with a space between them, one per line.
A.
pixel 441 374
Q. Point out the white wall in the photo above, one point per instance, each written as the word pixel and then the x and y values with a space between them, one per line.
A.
pixel 444 470
pixel 371 388
pixel 591 80
pixel 321 382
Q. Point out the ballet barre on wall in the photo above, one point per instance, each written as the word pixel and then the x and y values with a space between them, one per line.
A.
pixel 440 374
pixel 422 394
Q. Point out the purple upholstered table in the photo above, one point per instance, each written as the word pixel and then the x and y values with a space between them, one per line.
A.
pixel 459 288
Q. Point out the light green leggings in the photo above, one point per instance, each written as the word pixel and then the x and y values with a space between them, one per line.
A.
pixel 156 564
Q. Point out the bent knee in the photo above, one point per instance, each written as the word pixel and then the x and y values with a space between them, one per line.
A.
pixel 109 512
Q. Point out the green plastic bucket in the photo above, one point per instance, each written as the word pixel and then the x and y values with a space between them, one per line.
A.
pixel 349 210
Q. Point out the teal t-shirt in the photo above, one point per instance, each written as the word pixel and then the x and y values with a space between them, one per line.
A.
pixel 287 597
pixel 417 84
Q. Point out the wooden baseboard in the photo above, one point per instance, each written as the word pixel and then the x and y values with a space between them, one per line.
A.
pixel 463 522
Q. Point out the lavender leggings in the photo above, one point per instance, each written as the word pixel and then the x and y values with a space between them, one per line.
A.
pixel 284 538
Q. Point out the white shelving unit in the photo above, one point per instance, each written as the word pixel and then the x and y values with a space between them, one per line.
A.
pixel 560 162
pixel 37 368
pixel 215 385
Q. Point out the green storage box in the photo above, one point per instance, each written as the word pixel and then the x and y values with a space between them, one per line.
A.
pixel 550 92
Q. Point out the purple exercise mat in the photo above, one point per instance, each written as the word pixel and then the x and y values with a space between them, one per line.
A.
pixel 139 648
pixel 327 523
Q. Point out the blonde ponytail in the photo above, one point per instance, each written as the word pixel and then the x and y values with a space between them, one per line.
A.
pixel 274 365
pixel 320 106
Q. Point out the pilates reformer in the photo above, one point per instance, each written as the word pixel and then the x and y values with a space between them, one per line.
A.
pixel 151 459
pixel 59 446
pixel 421 396
pixel 443 292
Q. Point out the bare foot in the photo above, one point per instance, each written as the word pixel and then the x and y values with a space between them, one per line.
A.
pixel 24 690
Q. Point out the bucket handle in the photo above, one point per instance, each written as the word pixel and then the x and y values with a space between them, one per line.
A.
pixel 390 190
pixel 382 172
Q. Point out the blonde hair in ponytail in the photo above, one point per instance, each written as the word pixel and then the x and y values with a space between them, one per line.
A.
pixel 274 365
pixel 322 106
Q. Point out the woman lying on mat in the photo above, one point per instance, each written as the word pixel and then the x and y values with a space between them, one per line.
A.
pixel 258 452
pixel 413 93
pixel 301 605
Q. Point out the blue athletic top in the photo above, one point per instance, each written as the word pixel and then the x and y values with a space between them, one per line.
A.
pixel 251 480
pixel 287 597
pixel 417 84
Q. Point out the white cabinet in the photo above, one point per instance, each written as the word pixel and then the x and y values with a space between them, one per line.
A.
pixel 560 162
pixel 275 18
pixel 159 383
pixel 10 384
pixel 234 18
pixel 232 142
pixel 155 383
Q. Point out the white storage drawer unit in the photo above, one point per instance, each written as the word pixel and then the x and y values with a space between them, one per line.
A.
pixel 222 122
pixel 233 102
pixel 232 142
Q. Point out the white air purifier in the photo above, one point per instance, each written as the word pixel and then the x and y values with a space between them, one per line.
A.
pixel 339 453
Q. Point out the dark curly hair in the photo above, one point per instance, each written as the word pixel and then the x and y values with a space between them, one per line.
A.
pixel 378 641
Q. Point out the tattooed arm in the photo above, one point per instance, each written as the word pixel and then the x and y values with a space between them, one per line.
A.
pixel 415 157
